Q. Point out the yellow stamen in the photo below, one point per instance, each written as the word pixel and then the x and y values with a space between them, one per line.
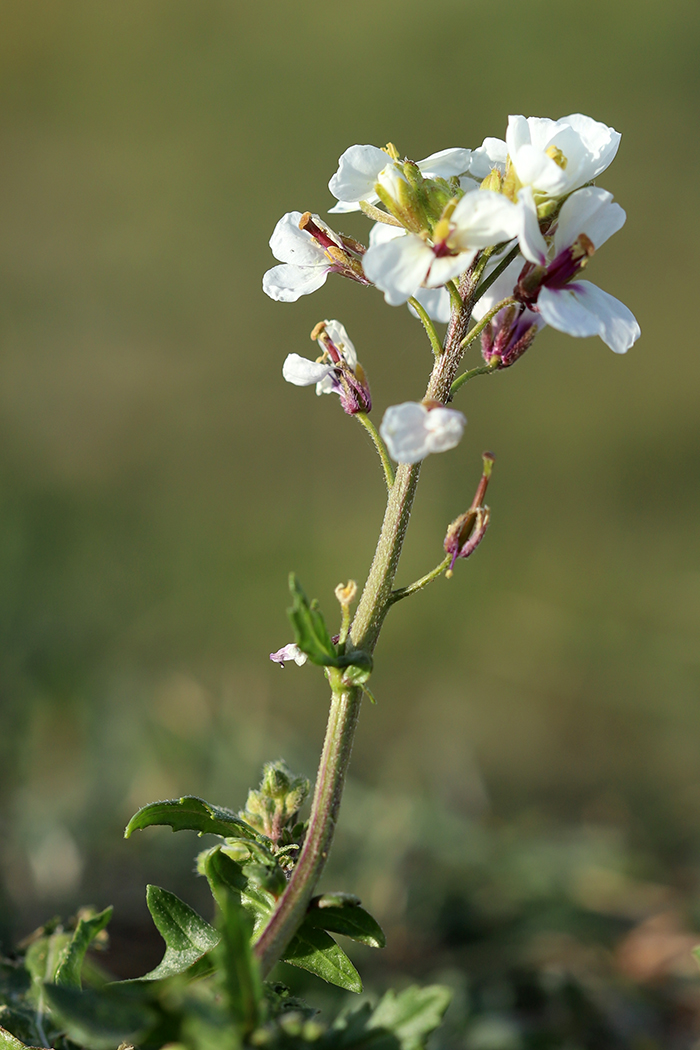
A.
pixel 557 156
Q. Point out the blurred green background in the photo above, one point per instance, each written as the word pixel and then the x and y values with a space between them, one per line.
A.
pixel 158 479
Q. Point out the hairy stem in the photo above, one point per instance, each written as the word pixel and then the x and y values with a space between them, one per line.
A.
pixel 377 597
pixel 369 426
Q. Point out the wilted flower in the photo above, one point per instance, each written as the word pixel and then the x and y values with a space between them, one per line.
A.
pixel 287 653
pixel 308 250
pixel 337 372
pixel 467 531
pixel 413 430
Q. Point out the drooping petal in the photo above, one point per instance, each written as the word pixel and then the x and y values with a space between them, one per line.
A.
pixel 483 218
pixel 583 309
pixel 302 372
pixel 445 427
pixel 289 244
pixel 287 653
pixel 411 434
pixel 357 172
pixel 446 163
pixel 398 267
pixel 286 283
pixel 590 211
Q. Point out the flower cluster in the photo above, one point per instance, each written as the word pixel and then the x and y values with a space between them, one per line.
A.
pixel 501 233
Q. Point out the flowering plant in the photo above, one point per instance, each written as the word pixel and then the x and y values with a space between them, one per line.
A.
pixel 492 242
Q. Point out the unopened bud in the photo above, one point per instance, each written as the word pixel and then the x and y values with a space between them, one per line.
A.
pixel 346 592
pixel 467 531
pixel 493 181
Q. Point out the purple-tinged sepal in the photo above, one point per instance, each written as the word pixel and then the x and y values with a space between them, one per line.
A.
pixel 467 531
pixel 508 335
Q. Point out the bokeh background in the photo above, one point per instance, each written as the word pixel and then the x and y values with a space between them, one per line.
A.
pixel 524 808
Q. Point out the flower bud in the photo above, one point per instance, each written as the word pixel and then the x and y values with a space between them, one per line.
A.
pixel 508 335
pixel 467 531
pixel 273 808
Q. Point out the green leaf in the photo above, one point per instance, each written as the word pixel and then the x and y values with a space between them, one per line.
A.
pixel 347 918
pixel 191 814
pixel 240 967
pixel 42 960
pixel 412 1014
pixel 100 1020
pixel 310 631
pixel 317 952
pixel 10 1042
pixel 71 965
pixel 225 875
pixel 186 934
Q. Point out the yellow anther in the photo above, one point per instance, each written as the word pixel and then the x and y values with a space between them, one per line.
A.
pixel 557 156
pixel 441 231
pixel 391 149
pixel 317 330
pixel 335 254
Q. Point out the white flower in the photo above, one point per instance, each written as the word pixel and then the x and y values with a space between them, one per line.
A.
pixel 435 301
pixel 306 263
pixel 411 431
pixel 558 156
pixel 401 265
pixel 361 167
pixel 289 652
pixel 492 153
pixel 587 219
pixel 302 372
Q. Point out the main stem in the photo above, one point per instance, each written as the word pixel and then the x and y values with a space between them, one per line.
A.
pixel 346 699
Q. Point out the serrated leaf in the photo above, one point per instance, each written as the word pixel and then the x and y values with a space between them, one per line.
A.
pixel 100 1020
pixel 190 813
pixel 186 934
pixel 71 965
pixel 349 919
pixel 411 1015
pixel 240 968
pixel 317 952
pixel 310 631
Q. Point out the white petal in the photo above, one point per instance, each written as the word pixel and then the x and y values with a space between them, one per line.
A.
pixel 601 142
pixel 392 181
pixel 382 232
pixel 491 154
pixel 561 309
pixel 449 266
pixel 302 372
pixel 289 244
pixel 535 168
pixel 483 218
pixel 287 653
pixel 445 427
pixel 446 163
pixel 357 173
pixel 435 302
pixel 411 431
pixel 618 327
pixel 338 335
pixel 404 432
pixel 398 267
pixel 286 283
pixel 345 206
pixel 532 243
pixel 588 211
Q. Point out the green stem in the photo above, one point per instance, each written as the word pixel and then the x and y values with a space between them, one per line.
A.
pixel 418 585
pixel 369 426
pixel 428 325
pixel 377 598
pixel 495 274
pixel 478 328
pixel 483 370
